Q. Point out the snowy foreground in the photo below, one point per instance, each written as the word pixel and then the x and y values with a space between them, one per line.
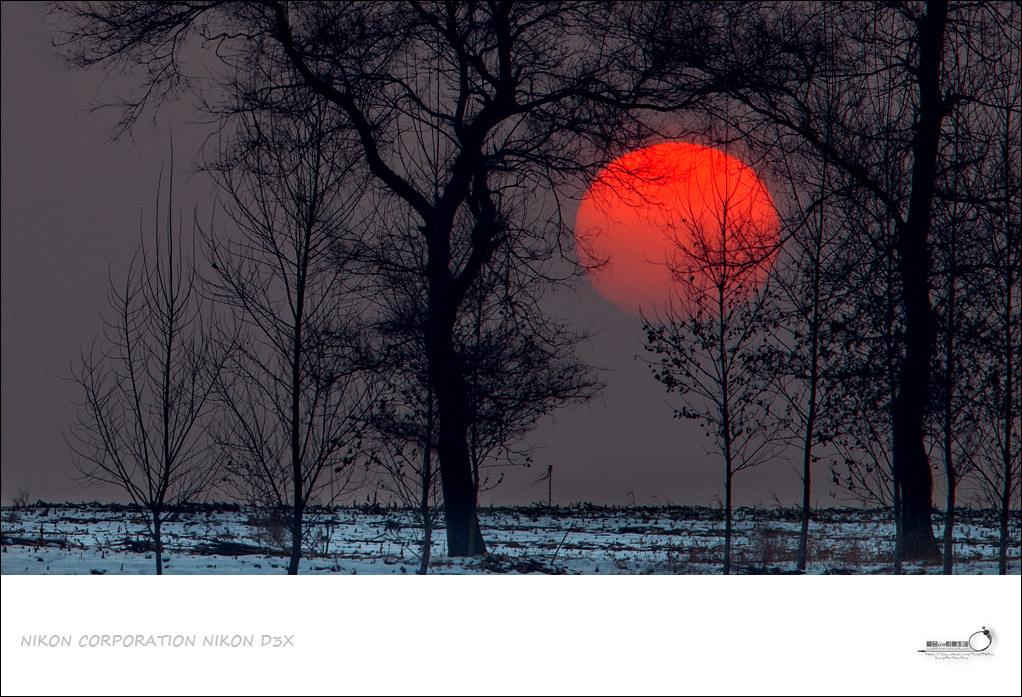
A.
pixel 222 539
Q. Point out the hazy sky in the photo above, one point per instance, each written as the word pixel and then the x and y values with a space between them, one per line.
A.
pixel 70 220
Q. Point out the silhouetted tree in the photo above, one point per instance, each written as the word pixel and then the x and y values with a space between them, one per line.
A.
pixel 809 278
pixel 894 53
pixel 958 389
pixel 707 345
pixel 458 110
pixel 401 445
pixel 296 392
pixel 868 330
pixel 519 365
pixel 146 384
pixel 1000 463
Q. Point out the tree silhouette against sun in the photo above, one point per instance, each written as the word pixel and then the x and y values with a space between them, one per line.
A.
pixel 674 223
pixel 685 237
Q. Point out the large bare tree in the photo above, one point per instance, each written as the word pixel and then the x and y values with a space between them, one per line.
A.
pixel 457 109
pixel 519 366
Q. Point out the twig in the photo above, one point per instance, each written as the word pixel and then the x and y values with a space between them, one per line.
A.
pixel 569 530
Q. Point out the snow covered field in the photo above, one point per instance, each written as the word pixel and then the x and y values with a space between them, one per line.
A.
pixel 584 539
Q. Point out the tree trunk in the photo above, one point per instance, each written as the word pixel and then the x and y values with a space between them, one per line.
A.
pixel 427 484
pixel 1002 547
pixel 1006 451
pixel 814 379
pixel 297 536
pixel 427 543
pixel 454 410
pixel 158 541
pixel 949 524
pixel 949 382
pixel 916 483
pixel 725 416
pixel 892 389
pixel 807 445
pixel 1011 263
pixel 909 451
pixel 1009 396
pixel 803 537
pixel 464 539
pixel 297 470
pixel 727 519
pixel 899 538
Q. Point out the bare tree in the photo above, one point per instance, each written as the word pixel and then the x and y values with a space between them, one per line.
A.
pixel 402 446
pixel 809 277
pixel 833 354
pixel 146 384
pixel 912 226
pixel 296 393
pixel 956 413
pixel 905 80
pixel 707 345
pixel 459 111
pixel 869 329
pixel 402 426
pixel 1000 470
pixel 770 55
pixel 519 365
pixel 1000 467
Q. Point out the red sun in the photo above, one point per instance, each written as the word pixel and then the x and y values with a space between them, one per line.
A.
pixel 676 222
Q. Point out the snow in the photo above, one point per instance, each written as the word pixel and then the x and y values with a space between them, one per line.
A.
pixel 583 539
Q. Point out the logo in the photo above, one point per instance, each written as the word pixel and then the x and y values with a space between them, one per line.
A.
pixel 983 642
pixel 977 644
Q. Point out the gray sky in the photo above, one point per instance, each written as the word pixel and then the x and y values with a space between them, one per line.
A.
pixel 71 203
